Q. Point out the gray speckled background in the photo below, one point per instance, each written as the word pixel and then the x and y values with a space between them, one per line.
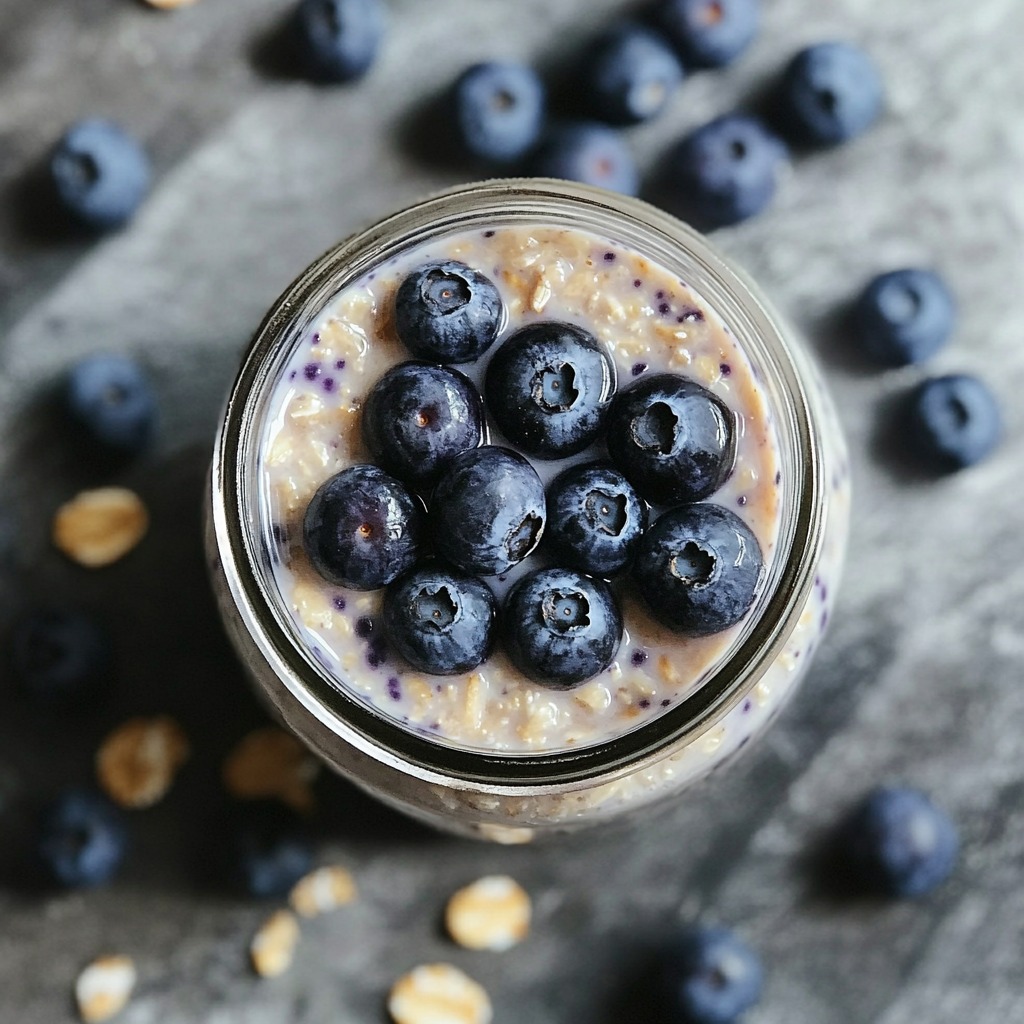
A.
pixel 919 680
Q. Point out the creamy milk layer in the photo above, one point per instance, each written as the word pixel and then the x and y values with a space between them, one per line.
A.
pixel 650 322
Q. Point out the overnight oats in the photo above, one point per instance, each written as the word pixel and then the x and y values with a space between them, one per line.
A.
pixel 525 514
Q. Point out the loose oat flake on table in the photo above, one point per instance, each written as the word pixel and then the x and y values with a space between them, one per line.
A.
pixel 137 762
pixel 271 763
pixel 322 890
pixel 492 913
pixel 104 987
pixel 97 528
pixel 273 946
pixel 438 994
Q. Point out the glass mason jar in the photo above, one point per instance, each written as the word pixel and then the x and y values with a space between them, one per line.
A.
pixel 512 795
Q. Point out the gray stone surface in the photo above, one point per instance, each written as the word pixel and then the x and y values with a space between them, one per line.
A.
pixel 919 679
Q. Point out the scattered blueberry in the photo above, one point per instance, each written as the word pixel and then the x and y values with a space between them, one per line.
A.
pixel 560 627
pixel 499 111
pixel 630 74
pixel 698 569
pixel 549 388
pixel 588 152
pixel 671 438
pixel 440 621
pixel 362 528
pixel 101 174
pixel 955 421
pixel 418 416
pixel 82 839
pixel 111 397
pixel 710 33
pixel 60 657
pixel 269 849
pixel 448 312
pixel 710 976
pixel 595 519
pixel 487 510
pixel 725 171
pixel 899 843
pixel 904 316
pixel 338 39
pixel 829 93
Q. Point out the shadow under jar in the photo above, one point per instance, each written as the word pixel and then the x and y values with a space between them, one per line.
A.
pixel 488 752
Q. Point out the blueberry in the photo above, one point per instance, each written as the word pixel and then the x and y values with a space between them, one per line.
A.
pixel 897 842
pixel 60 657
pixel 362 528
pixel 630 74
pixel 561 628
pixel 268 849
pixel 448 312
pixel 499 111
pixel 338 40
pixel 955 421
pixel 588 152
pixel 111 398
pixel 829 93
pixel 904 316
pixel 725 171
pixel 671 438
pixel 487 510
pixel 440 621
pixel 418 416
pixel 710 976
pixel 100 173
pixel 549 389
pixel 595 519
pixel 699 568
pixel 710 33
pixel 82 839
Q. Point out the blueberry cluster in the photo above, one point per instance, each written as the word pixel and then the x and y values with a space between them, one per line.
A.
pixel 441 507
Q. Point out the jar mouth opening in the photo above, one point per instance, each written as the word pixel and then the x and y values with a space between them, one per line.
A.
pixel 663 240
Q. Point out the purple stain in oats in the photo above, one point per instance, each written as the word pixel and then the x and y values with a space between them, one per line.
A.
pixel 311 371
pixel 364 627
pixel 339 602
pixel 488 234
pixel 394 690
pixel 725 368
pixel 291 376
pixel 664 309
pixel 644 703
pixel 747 705
pixel 328 384
pixel 637 283
pixel 824 618
pixel 778 477
pixel 376 653
pixel 316 337
pixel 665 703
pixel 691 316
pixel 609 257
pixel 638 658
pixel 741 500
pixel 659 295
pixel 340 364
pixel 638 368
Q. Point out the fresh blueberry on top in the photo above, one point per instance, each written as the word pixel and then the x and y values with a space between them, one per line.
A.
pixel 441 622
pixel 60 657
pixel 561 628
pixel 110 396
pixel 448 312
pixel 630 73
pixel 709 976
pixel 710 33
pixel 487 510
pixel 595 519
pixel 699 569
pixel 671 438
pixel 499 111
pixel 82 839
pixel 897 842
pixel 904 316
pixel 829 93
pixel 725 171
pixel 100 173
pixel 268 849
pixel 588 152
pixel 362 528
pixel 549 387
pixel 955 421
pixel 417 416
pixel 338 40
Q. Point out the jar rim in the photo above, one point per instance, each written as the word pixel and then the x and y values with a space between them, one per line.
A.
pixel 356 725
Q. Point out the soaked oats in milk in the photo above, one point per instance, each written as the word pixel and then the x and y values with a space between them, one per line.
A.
pixel 651 322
